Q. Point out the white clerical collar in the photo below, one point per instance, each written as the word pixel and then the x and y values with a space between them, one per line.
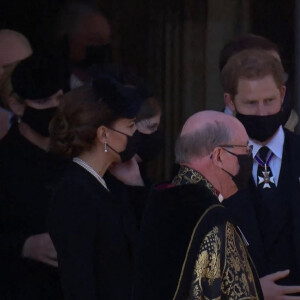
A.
pixel 275 144
pixel 83 164
pixel 221 198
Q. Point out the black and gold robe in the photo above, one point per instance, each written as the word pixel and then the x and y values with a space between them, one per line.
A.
pixel 189 249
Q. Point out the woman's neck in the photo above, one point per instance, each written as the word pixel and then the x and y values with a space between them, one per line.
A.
pixel 99 163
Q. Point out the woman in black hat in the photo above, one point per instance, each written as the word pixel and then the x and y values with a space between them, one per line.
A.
pixel 93 232
pixel 28 176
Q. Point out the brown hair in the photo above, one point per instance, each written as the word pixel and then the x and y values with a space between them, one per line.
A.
pixel 74 127
pixel 150 107
pixel 250 64
pixel 243 42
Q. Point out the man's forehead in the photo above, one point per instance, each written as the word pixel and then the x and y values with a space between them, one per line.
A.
pixel 265 84
pixel 240 138
pixel 239 134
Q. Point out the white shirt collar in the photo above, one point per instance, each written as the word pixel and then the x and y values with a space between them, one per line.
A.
pixel 275 144
pixel 228 111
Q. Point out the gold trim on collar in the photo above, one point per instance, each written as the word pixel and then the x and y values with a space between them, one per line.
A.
pixel 187 175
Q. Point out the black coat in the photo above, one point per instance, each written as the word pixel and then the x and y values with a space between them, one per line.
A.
pixel 274 232
pixel 174 225
pixel 28 176
pixel 95 236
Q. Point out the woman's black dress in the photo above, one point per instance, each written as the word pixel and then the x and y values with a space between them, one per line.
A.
pixel 95 236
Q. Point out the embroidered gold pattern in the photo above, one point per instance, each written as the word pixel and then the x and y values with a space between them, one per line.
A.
pixel 222 268
pixel 189 176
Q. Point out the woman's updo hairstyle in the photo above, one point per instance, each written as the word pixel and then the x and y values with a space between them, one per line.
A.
pixel 73 129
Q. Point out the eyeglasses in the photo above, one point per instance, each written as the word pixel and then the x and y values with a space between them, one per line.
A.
pixel 248 147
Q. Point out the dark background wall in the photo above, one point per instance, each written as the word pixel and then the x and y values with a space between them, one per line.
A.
pixel 275 20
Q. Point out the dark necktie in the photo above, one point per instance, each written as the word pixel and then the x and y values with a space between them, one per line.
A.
pixel 265 179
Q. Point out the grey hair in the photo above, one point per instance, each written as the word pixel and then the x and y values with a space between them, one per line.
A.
pixel 202 141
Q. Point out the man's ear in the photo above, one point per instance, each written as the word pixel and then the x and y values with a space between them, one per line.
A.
pixel 216 157
pixel 229 101
pixel 15 106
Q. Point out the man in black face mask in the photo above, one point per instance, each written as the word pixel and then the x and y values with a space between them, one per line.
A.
pixel 86 41
pixel 37 91
pixel 268 212
pixel 185 239
pixel 252 41
pixel 29 173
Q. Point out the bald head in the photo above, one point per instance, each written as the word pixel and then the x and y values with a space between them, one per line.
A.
pixel 204 131
pixel 203 118
pixel 14 47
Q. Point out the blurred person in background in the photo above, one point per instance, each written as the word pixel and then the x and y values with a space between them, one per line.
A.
pixel 14 47
pixel 28 175
pixel 84 40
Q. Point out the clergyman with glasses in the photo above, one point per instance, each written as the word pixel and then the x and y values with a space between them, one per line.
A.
pixel 189 248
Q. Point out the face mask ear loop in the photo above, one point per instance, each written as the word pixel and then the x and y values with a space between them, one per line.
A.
pixel 112 149
pixel 119 132
pixel 227 172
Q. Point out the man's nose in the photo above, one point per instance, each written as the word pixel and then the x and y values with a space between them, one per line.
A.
pixel 262 110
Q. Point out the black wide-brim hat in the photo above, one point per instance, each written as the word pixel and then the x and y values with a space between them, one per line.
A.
pixel 124 99
pixel 37 77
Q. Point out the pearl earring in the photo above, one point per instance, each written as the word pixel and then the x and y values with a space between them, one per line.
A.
pixel 105 147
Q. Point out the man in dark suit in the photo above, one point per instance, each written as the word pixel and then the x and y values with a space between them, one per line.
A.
pixel 253 82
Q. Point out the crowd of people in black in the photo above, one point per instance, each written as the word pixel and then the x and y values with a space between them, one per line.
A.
pixel 81 219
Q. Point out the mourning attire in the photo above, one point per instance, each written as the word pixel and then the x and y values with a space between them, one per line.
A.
pixel 93 221
pixel 268 212
pixel 136 195
pixel 95 236
pixel 28 176
pixel 189 249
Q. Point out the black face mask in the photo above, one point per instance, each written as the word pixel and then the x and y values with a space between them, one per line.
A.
pixel 39 119
pixel 261 128
pixel 241 179
pixel 95 55
pixel 130 149
pixel 148 145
